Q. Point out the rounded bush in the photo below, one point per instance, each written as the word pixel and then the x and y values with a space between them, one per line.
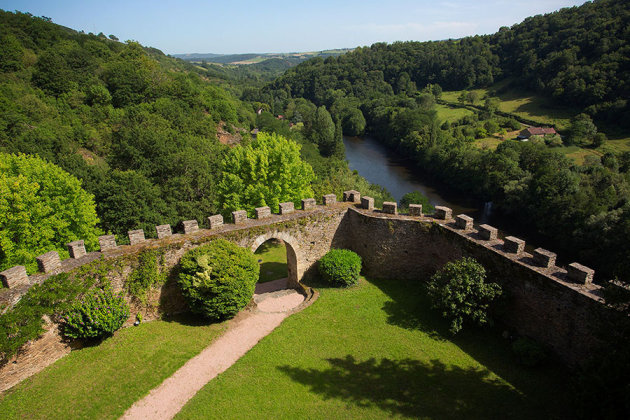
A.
pixel 460 292
pixel 99 313
pixel 340 267
pixel 218 279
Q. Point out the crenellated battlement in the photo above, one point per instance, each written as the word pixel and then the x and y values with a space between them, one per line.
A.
pixel 557 306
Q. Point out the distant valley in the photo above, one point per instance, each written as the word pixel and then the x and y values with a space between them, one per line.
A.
pixel 254 58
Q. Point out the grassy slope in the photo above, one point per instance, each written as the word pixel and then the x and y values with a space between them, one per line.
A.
pixel 377 351
pixel 103 381
pixel 537 108
pixel 274 261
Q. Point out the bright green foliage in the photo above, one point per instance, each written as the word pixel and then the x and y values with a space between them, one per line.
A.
pixel 340 267
pixel 416 197
pixel 24 321
pixel 460 292
pixel 218 279
pixel 266 172
pixel 528 352
pixel 42 208
pixel 323 132
pixel 99 313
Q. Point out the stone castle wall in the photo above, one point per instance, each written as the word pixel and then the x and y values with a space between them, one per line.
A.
pixel 562 310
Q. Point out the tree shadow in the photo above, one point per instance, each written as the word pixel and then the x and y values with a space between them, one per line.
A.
pixel 270 271
pixel 410 308
pixel 411 388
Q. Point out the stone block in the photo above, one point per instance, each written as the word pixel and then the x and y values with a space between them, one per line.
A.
pixel 76 249
pixel 488 232
pixel 163 231
pixel 308 203
pixel 580 274
pixel 544 258
pixel 286 208
pixel 262 212
pixel 513 245
pixel 136 236
pixel 14 276
pixel 215 221
pixel 48 262
pixel 352 196
pixel 239 216
pixel 390 207
pixel 329 199
pixel 367 203
pixel 107 242
pixel 415 210
pixel 190 226
pixel 443 213
pixel 464 222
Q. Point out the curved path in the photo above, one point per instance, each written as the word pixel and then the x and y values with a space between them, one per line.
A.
pixel 249 327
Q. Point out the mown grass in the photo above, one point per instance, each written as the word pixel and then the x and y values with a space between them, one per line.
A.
pixel 102 381
pixel 451 114
pixel 377 351
pixel 272 257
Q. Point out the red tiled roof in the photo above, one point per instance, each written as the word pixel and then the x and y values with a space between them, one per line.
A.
pixel 538 131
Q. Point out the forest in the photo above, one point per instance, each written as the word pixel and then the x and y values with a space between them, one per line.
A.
pixel 577 55
pixel 139 129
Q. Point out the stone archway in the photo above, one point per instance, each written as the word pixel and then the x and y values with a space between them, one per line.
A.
pixel 292 247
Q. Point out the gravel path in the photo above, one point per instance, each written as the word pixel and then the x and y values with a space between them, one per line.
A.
pixel 246 330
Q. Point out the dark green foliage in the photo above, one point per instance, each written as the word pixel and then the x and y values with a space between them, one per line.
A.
pixel 218 279
pixel 99 313
pixel 460 292
pixel 416 197
pixel 24 321
pixel 340 267
pixel 528 352
pixel 146 275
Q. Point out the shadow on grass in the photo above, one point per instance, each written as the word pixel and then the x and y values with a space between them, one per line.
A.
pixel 189 319
pixel 270 271
pixel 409 387
pixel 410 308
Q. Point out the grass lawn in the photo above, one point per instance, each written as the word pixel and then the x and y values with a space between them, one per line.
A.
pixel 273 261
pixel 446 113
pixel 101 382
pixel 488 143
pixel 377 351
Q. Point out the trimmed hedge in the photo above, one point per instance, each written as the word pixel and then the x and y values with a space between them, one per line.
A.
pixel 340 267
pixel 218 279
pixel 99 313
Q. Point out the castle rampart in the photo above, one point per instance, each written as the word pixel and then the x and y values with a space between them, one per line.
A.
pixel 563 310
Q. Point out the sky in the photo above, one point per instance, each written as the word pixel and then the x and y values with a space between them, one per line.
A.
pixel 233 26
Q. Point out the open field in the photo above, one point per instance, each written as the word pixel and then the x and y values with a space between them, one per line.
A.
pixel 451 114
pixel 377 351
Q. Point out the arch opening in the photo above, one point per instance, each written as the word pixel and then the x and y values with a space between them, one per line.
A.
pixel 276 254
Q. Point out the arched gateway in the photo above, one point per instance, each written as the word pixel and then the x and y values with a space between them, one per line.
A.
pixel 292 247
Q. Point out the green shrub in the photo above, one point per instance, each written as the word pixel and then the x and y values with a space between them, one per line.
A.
pixel 340 267
pixel 218 279
pixel 24 322
pixel 460 292
pixel 99 313
pixel 528 352
pixel 146 275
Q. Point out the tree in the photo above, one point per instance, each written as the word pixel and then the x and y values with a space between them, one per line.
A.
pixel 323 131
pixel 42 208
pixel 354 122
pixel 459 290
pixel 266 172
pixel 583 130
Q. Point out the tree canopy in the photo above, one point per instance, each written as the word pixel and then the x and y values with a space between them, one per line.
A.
pixel 266 172
pixel 42 208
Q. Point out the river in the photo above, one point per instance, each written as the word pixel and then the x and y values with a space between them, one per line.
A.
pixel 379 165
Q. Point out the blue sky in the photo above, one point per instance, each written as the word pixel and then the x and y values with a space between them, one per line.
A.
pixel 232 26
